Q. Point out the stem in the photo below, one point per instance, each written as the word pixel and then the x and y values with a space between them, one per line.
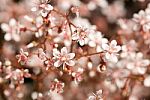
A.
pixel 90 54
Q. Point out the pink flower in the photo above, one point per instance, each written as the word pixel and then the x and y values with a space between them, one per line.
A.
pixel 63 57
pixel 80 36
pixel 18 75
pixel 22 57
pixel 142 20
pixel 78 75
pixel 96 40
pixel 97 96
pixel 44 8
pixel 57 86
pixel 111 51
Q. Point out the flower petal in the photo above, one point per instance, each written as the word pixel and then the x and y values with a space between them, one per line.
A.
pixel 64 51
pixel 105 46
pixel 70 63
pixel 56 53
pixel 71 55
pixel 58 63
pixel 75 36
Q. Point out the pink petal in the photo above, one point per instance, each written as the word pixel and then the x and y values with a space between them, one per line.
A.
pixel 70 63
pixel 107 56
pixel 64 51
pixel 81 42
pixel 49 7
pixel 105 46
pixel 57 63
pixel 114 58
pixel 71 55
pixel 113 43
pixel 56 53
pixel 75 36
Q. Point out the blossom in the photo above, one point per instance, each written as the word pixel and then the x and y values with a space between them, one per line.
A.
pixel 78 75
pixel 136 63
pixel 57 86
pixel 44 8
pixel 12 30
pixel 111 51
pixel 97 96
pixel 142 21
pixel 63 57
pixel 22 57
pixel 18 75
pixel 96 40
pixel 80 36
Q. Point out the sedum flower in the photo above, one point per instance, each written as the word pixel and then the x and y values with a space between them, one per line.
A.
pixel 96 96
pixel 57 86
pixel 22 57
pixel 111 51
pixel 96 40
pixel 80 36
pixel 63 57
pixel 142 20
pixel 12 30
pixel 18 75
pixel 78 75
pixel 43 8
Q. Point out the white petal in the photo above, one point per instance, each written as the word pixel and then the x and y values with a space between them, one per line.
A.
pixel 114 58
pixel 92 44
pixel 75 36
pixel 16 37
pixel 104 40
pixel 57 63
pixel 12 22
pixel 105 46
pixel 64 51
pixel 117 49
pixel 113 43
pixel 34 9
pixel 147 81
pixel 7 36
pixel 44 13
pixel 81 42
pixel 49 7
pixel 5 27
pixel 56 53
pixel 71 55
pixel 107 55
pixel 70 63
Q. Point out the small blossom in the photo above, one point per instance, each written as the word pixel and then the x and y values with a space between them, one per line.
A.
pixel 77 75
pixel 111 51
pixel 22 57
pixel 44 9
pixel 57 86
pixel 12 30
pixel 96 40
pixel 18 75
pixel 142 20
pixel 97 96
pixel 63 57
pixel 80 36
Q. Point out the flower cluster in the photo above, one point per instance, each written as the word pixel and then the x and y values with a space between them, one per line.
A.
pixel 65 49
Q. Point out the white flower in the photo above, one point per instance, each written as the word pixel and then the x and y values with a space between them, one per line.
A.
pixel 96 40
pixel 111 51
pixel 63 57
pixel 81 36
pixel 96 96
pixel 44 8
pixel 142 20
pixel 12 30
